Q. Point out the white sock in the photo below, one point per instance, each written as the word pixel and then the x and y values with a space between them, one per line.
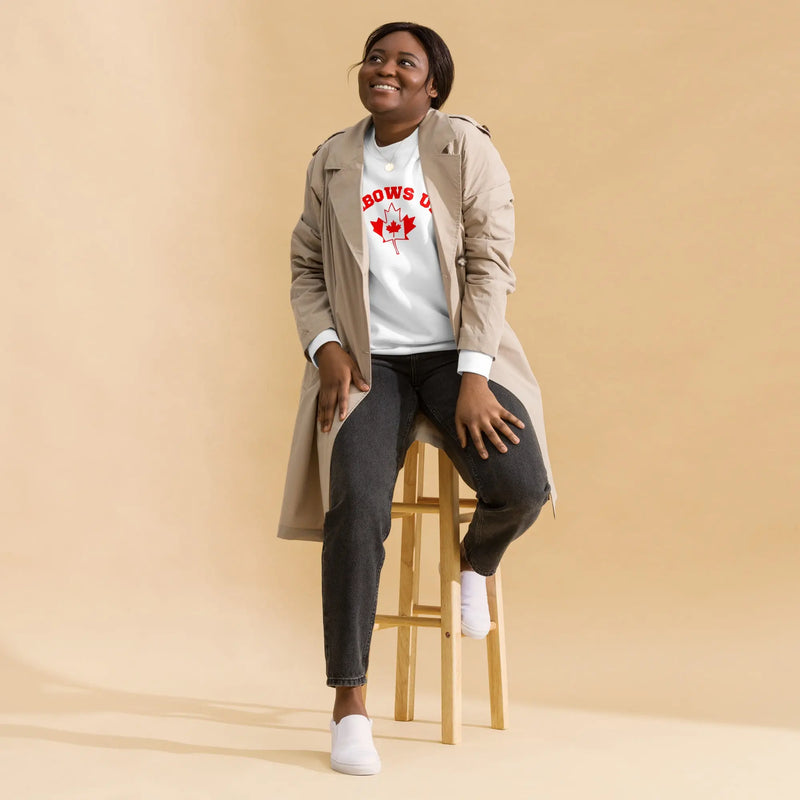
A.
pixel 475 619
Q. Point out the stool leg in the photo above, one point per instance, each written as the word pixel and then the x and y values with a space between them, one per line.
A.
pixel 409 590
pixel 496 652
pixel 449 545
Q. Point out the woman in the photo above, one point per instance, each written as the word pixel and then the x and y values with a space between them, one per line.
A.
pixel 400 272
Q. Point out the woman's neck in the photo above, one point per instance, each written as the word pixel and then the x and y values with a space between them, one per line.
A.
pixel 388 132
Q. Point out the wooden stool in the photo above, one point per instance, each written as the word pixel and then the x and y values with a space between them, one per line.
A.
pixel 446 616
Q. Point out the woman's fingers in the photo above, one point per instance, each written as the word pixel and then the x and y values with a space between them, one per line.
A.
pixel 479 412
pixel 461 432
pixel 491 430
pixel 358 378
pixel 506 414
pixel 325 408
pixel 477 439
pixel 337 371
pixel 506 431
pixel 494 438
pixel 354 376
pixel 338 394
pixel 329 398
pixel 344 396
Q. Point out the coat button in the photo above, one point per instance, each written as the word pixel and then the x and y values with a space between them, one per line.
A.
pixel 461 261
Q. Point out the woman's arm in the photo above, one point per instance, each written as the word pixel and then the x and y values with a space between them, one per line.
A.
pixel 312 310
pixel 488 216
pixel 309 293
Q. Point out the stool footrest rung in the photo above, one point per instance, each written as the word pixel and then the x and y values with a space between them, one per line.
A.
pixel 463 502
pixel 409 509
pixel 429 505
pixel 397 620
pixel 401 514
pixel 383 621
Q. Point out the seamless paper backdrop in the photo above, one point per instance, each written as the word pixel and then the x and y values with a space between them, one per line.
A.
pixel 153 163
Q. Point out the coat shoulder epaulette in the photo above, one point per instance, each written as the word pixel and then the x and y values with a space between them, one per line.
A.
pixel 477 124
pixel 327 140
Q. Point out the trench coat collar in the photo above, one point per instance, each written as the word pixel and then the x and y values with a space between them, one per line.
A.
pixel 440 166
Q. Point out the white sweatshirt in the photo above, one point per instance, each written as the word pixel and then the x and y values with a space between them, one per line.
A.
pixel 408 308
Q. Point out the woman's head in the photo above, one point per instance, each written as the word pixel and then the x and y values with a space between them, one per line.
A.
pixel 415 63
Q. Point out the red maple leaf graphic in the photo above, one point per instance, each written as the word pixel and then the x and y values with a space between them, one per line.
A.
pixel 393 231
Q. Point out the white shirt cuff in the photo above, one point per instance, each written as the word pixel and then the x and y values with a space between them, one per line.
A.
pixel 473 361
pixel 328 335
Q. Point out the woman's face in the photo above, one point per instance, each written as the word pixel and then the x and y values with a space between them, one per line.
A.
pixel 392 81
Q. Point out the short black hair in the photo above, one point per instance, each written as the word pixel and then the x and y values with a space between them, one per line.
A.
pixel 440 62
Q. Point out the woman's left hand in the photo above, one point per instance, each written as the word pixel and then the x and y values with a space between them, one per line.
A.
pixel 479 412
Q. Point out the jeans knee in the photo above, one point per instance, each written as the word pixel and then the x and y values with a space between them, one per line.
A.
pixel 359 508
pixel 527 498
pixel 540 495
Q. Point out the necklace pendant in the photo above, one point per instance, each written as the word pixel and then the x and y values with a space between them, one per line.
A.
pixel 389 167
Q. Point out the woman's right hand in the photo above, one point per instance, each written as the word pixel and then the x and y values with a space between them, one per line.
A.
pixel 337 370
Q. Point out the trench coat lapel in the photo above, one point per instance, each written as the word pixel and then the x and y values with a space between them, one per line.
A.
pixel 442 170
pixel 344 188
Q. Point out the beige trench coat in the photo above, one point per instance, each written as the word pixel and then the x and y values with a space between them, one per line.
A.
pixel 473 217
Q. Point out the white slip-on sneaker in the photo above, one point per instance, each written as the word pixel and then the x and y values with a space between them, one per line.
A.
pixel 475 619
pixel 352 749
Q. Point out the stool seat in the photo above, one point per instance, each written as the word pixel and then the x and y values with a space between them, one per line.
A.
pixel 452 512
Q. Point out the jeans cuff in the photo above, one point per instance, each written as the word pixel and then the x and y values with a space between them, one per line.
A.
pixel 472 563
pixel 347 681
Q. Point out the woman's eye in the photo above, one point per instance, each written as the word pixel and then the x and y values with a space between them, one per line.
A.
pixel 406 61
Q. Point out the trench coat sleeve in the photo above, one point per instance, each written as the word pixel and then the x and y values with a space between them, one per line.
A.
pixel 488 219
pixel 309 293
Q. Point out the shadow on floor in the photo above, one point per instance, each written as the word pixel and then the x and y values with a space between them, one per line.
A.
pixel 25 688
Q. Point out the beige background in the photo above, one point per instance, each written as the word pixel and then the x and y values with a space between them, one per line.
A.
pixel 156 639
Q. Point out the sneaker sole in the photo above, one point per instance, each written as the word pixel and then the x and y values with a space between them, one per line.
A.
pixel 356 769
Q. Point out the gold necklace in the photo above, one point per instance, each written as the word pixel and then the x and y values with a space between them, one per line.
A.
pixel 389 166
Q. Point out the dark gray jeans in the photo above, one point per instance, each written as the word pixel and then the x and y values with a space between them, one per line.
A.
pixel 367 455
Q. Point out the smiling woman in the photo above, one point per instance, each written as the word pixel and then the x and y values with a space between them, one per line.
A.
pixel 398 79
pixel 392 332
